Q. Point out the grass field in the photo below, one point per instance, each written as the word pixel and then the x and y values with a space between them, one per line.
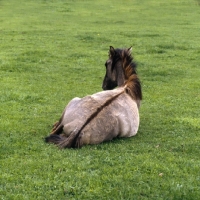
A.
pixel 52 51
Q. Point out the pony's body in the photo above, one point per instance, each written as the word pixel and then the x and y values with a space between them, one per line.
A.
pixel 119 118
pixel 100 117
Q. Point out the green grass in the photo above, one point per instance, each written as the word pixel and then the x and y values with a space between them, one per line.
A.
pixel 52 51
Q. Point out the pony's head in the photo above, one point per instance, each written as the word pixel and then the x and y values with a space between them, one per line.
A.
pixel 115 67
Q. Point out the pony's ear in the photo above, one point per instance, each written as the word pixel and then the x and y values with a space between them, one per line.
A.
pixel 130 50
pixel 112 51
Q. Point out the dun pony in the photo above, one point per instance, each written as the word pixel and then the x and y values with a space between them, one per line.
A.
pixel 105 115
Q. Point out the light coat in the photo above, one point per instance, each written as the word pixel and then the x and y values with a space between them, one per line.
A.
pixel 118 119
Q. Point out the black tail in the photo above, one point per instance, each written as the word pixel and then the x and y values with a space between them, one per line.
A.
pixel 73 141
pixel 55 139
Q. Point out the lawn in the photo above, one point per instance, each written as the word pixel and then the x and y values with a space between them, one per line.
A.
pixel 52 51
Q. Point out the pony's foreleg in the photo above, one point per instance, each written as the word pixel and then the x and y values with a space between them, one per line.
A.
pixel 57 129
pixel 54 127
pixel 55 136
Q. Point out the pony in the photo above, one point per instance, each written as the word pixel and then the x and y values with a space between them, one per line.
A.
pixel 104 115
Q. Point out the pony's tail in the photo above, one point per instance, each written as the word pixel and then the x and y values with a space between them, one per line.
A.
pixel 55 139
pixel 73 141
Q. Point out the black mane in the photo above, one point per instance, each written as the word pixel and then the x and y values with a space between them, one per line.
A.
pixel 125 56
